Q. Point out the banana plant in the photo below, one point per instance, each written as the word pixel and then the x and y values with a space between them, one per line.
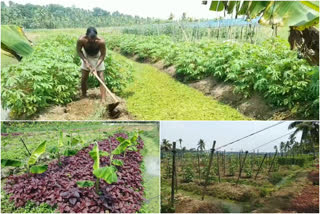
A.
pixel 30 162
pixel 72 143
pixel 108 173
pixel 56 150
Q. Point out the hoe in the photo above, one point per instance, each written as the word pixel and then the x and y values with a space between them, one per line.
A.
pixel 113 112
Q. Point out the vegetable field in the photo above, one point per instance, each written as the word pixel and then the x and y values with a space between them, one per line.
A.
pixel 219 180
pixel 83 167
pixel 235 74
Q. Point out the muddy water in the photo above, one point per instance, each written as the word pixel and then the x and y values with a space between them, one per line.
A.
pixel 228 206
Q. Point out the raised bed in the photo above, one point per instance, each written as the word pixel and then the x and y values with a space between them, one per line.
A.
pixel 57 186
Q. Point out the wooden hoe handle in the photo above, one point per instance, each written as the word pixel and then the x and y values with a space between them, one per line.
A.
pixel 107 89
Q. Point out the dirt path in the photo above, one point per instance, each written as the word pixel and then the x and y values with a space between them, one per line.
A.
pixel 89 108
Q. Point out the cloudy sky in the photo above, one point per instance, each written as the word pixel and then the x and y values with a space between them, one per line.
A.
pixel 144 8
pixel 225 132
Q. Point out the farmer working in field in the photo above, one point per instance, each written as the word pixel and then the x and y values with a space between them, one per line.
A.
pixel 92 51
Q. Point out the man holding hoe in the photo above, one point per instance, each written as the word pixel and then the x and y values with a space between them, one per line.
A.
pixel 92 51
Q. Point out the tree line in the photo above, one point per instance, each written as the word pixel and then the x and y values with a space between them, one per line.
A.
pixel 56 16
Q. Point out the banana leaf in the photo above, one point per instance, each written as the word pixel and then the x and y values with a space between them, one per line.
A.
pixel 14 41
pixel 95 155
pixel 36 153
pixel 216 6
pixel 298 14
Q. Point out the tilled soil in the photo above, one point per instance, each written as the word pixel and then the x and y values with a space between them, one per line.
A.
pixel 89 108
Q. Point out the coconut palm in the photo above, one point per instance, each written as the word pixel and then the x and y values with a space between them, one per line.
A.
pixel 201 145
pixel 282 144
pixel 166 146
pixel 310 134
pixel 180 140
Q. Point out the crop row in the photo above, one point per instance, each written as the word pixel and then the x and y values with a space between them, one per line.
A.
pixel 271 68
pixel 51 76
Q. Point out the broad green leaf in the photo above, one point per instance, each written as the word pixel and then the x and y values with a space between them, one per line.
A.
pixel 36 153
pixel 76 140
pixel 256 8
pixel 84 184
pixel 13 40
pixel 133 148
pixel 54 149
pixel 70 152
pixel 103 154
pixel 121 148
pixel 216 6
pixel 60 141
pixel 38 169
pixel 94 154
pixel 134 138
pixel 117 162
pixel 107 173
pixel 289 13
pixel 121 139
pixel 8 162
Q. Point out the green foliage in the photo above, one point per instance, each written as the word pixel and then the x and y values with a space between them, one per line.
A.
pixel 188 174
pixel 271 69
pixel 117 162
pixel 109 174
pixel 84 184
pixel 275 178
pixel 300 161
pixel 48 76
pixel 56 16
pixel 8 206
pixel 14 40
pixel 38 169
pixel 8 162
pixel 94 154
pixel 36 153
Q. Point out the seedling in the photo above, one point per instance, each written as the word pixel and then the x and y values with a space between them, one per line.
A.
pixel 30 163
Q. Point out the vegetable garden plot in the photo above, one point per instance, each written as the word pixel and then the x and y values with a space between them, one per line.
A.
pixel 58 185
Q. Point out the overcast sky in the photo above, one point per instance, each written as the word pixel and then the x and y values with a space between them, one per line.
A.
pixel 224 132
pixel 144 8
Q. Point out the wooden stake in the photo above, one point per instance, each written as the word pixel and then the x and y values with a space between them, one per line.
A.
pixel 173 171
pixel 208 172
pixel 218 167
pixel 264 157
pixel 274 157
pixel 242 165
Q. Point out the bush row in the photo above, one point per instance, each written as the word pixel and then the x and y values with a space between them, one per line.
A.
pixel 271 69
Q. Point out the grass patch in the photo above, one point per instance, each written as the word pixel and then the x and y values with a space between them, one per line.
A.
pixel 154 95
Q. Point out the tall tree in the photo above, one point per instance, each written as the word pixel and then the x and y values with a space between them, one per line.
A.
pixel 201 145
pixel 310 134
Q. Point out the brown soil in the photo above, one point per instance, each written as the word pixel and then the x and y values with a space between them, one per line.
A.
pixel 186 204
pixel 89 108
